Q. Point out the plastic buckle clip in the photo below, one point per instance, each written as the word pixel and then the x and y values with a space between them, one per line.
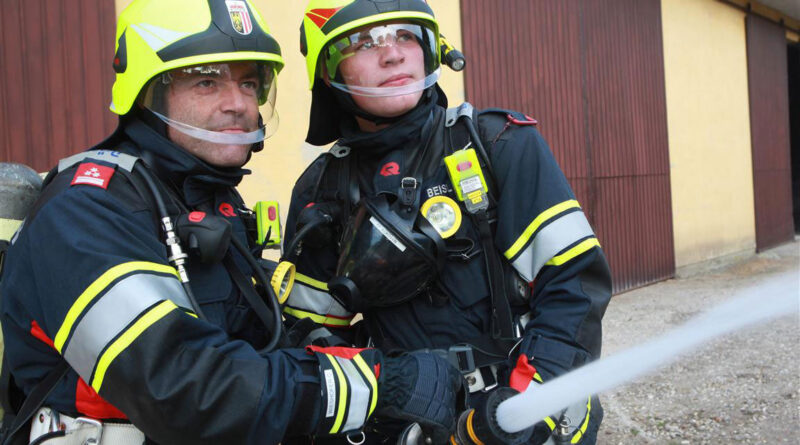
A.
pixel 408 188
pixel 462 358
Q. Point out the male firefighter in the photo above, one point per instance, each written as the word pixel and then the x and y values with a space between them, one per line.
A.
pixel 128 307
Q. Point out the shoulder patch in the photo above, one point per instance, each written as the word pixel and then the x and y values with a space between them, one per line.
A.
pixel 89 173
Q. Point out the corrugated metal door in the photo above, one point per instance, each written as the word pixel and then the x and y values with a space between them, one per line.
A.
pixel 55 78
pixel 769 127
pixel 592 73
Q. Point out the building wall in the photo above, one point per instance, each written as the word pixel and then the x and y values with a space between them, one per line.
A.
pixel 591 72
pixel 55 78
pixel 709 129
pixel 286 154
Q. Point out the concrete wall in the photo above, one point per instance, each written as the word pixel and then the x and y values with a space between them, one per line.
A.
pixel 709 129
pixel 286 154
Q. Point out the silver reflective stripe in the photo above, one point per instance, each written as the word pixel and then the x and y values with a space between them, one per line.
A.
pixel 125 161
pixel 551 240
pixel 112 314
pixel 310 299
pixel 359 396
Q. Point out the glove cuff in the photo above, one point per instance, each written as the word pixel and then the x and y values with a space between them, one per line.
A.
pixel 349 388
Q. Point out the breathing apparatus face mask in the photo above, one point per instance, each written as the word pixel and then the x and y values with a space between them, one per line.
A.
pixel 386 259
pixel 210 85
pixel 349 61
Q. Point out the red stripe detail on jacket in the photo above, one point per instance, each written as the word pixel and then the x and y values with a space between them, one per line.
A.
pixel 90 404
pixel 38 333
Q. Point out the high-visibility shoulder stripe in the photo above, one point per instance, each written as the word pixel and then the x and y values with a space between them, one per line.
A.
pixel 340 410
pixel 99 285
pixel 319 319
pixel 305 279
pixel 536 223
pixel 582 247
pixel 368 373
pixel 153 315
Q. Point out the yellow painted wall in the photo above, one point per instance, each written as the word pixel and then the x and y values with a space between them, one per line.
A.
pixel 709 129
pixel 286 155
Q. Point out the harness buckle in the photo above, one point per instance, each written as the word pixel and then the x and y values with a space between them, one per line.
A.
pixel 461 357
pixel 98 425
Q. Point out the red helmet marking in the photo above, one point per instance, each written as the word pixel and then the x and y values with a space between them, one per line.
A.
pixel 321 16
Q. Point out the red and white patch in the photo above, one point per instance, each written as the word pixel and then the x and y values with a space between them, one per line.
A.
pixel 240 16
pixel 90 173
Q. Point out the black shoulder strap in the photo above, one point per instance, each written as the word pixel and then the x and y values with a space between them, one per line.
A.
pixel 462 120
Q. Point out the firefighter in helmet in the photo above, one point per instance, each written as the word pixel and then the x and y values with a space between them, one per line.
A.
pixel 129 312
pixel 449 229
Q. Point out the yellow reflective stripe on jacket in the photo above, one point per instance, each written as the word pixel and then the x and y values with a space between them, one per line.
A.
pixel 153 315
pixel 113 311
pixel 584 246
pixel 310 281
pixel 552 239
pixel 550 423
pixel 98 286
pixel 319 319
pixel 522 241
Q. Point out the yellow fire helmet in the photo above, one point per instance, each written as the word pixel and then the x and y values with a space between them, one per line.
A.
pixel 155 37
pixel 334 30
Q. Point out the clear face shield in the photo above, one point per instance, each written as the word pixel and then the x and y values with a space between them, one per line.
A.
pixel 383 60
pixel 237 89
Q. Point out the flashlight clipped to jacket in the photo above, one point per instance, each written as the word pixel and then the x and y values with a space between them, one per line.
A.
pixel 451 56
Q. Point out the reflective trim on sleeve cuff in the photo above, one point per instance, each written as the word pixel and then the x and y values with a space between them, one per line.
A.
pixel 320 302
pixel 319 319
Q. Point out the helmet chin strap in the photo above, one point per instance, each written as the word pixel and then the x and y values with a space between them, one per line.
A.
pixel 348 104
pixel 217 137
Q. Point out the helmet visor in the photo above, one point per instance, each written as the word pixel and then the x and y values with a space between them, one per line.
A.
pixel 230 92
pixel 383 60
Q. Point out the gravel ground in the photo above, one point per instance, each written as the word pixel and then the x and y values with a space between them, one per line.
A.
pixel 743 388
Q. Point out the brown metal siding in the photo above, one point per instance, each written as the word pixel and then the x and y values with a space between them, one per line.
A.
pixel 55 78
pixel 769 127
pixel 591 71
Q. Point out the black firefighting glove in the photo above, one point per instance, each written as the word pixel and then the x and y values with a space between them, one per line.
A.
pixel 424 388
pixel 479 426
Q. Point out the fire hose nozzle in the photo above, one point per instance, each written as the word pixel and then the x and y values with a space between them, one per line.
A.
pixel 480 426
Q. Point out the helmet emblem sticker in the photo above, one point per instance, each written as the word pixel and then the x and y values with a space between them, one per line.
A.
pixel 240 17
pixel 321 16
